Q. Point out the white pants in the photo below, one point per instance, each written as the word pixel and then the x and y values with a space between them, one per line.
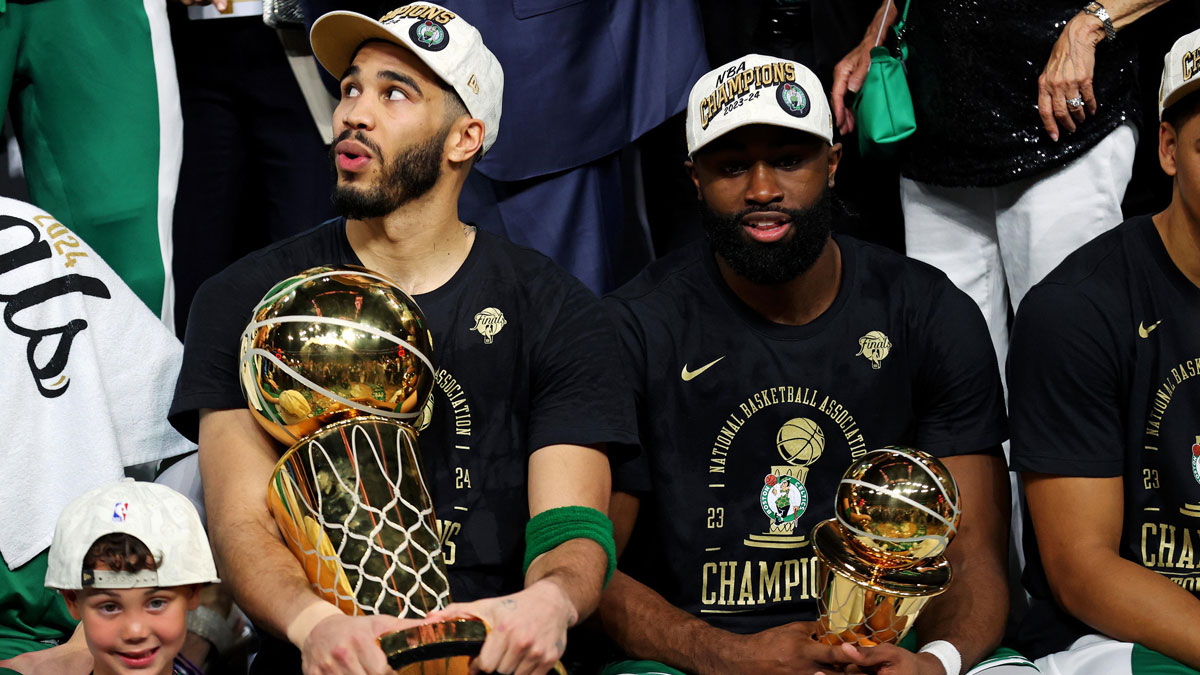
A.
pixel 996 243
pixel 1098 654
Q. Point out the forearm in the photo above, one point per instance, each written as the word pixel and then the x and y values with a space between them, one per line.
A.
pixel 1124 12
pixel 971 613
pixel 887 15
pixel 645 626
pixel 1144 607
pixel 266 579
pixel 561 476
pixel 577 568
pixel 236 463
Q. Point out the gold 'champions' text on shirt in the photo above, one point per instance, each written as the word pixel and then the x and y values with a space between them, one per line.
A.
pixel 744 584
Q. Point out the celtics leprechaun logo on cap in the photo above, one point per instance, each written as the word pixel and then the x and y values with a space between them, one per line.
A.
pixel 793 99
pixel 429 35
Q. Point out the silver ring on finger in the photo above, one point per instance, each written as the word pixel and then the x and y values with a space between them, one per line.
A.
pixel 1076 102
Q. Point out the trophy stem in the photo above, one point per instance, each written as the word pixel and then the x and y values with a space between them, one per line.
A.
pixel 867 604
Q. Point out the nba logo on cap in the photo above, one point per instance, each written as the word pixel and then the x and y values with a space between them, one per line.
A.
pixel 120 511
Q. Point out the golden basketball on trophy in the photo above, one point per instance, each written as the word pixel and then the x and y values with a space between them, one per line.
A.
pixel 337 362
pixel 880 559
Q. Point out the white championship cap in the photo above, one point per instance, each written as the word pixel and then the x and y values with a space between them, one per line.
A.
pixel 757 89
pixel 161 518
pixel 443 40
pixel 1180 69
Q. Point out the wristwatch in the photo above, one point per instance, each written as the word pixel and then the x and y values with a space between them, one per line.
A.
pixel 1097 10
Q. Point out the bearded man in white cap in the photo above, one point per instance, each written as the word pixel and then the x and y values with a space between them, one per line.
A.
pixel 528 393
pixel 777 348
pixel 1105 404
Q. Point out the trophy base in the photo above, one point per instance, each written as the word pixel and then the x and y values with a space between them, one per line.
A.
pixel 434 645
pixel 442 648
pixel 865 604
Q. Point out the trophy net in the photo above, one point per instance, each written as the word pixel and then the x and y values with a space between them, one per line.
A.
pixel 354 509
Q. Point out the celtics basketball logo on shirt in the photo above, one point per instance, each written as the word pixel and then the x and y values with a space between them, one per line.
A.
pixel 1196 459
pixel 783 499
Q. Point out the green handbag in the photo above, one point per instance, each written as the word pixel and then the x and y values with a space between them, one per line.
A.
pixel 883 111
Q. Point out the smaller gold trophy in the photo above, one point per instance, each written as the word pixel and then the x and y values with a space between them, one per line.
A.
pixel 880 559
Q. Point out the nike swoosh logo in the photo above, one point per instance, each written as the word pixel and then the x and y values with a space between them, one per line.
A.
pixel 688 375
pixel 1145 332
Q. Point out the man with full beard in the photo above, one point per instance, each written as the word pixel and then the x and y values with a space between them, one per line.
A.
pixel 527 393
pixel 776 349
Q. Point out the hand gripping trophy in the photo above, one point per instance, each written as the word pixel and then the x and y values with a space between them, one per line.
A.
pixel 337 362
pixel 880 559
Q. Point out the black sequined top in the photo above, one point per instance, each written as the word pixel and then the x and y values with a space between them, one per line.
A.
pixel 973 67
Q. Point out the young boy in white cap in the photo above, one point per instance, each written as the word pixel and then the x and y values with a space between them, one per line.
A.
pixel 1105 407
pixel 130 559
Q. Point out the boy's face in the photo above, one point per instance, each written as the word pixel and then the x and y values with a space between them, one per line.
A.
pixel 135 630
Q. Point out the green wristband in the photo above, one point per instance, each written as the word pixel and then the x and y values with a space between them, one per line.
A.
pixel 550 528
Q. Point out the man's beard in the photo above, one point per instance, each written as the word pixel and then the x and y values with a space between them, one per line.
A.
pixel 776 262
pixel 410 175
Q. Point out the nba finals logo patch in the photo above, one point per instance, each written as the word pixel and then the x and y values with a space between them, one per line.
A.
pixel 874 346
pixel 489 322
pixel 793 99
pixel 120 512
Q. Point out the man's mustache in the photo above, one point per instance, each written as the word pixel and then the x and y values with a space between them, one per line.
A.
pixel 361 138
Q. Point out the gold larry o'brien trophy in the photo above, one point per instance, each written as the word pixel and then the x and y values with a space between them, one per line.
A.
pixel 880 559
pixel 337 362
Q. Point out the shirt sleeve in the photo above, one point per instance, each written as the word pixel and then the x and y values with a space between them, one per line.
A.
pixel 632 475
pixel 1064 386
pixel 577 395
pixel 959 398
pixel 208 376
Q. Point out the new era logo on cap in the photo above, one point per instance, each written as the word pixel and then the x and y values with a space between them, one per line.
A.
pixel 757 89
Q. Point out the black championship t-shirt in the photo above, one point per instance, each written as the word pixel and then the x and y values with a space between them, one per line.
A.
pixel 1104 380
pixel 748 425
pixel 541 370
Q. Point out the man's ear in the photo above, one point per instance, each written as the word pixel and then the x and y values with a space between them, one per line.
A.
pixel 1168 141
pixel 465 139
pixel 691 169
pixel 72 600
pixel 835 157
